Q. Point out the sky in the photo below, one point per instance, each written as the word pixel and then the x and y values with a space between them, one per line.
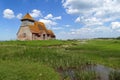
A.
pixel 69 19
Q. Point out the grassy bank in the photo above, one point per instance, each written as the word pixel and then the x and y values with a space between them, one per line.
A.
pixel 39 60
pixel 14 70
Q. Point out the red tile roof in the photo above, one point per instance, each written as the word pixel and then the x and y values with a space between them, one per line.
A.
pixel 39 27
pixel 34 29
pixel 51 32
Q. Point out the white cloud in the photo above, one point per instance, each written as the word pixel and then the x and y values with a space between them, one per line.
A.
pixel 94 15
pixel 89 21
pixel 67 25
pixel 50 16
pixel 19 16
pixel 115 25
pixel 80 6
pixel 104 10
pixel 78 19
pixel 8 13
pixel 48 23
pixel 36 13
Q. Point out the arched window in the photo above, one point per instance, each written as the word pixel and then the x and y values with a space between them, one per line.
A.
pixel 24 34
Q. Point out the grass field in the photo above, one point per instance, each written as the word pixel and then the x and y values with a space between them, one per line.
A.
pixel 40 60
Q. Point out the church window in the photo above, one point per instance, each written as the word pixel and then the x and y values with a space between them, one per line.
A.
pixel 24 34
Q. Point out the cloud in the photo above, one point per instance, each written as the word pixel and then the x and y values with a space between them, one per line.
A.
pixel 86 32
pixel 104 10
pixel 115 25
pixel 50 16
pixel 80 6
pixel 100 18
pixel 36 13
pixel 77 20
pixel 57 18
pixel 89 32
pixel 8 13
pixel 67 25
pixel 19 16
pixel 48 23
pixel 89 21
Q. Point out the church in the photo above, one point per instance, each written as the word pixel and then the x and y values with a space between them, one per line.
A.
pixel 33 30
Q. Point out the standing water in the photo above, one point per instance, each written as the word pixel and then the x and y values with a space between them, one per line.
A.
pixel 102 72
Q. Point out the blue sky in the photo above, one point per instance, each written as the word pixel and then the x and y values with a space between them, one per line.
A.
pixel 69 19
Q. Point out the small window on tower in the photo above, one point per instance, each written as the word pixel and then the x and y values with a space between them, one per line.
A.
pixel 24 34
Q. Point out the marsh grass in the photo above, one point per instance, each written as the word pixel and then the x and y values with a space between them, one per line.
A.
pixel 86 75
pixel 114 75
pixel 58 53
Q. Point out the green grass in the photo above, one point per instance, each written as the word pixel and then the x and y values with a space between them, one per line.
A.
pixel 12 70
pixel 24 60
